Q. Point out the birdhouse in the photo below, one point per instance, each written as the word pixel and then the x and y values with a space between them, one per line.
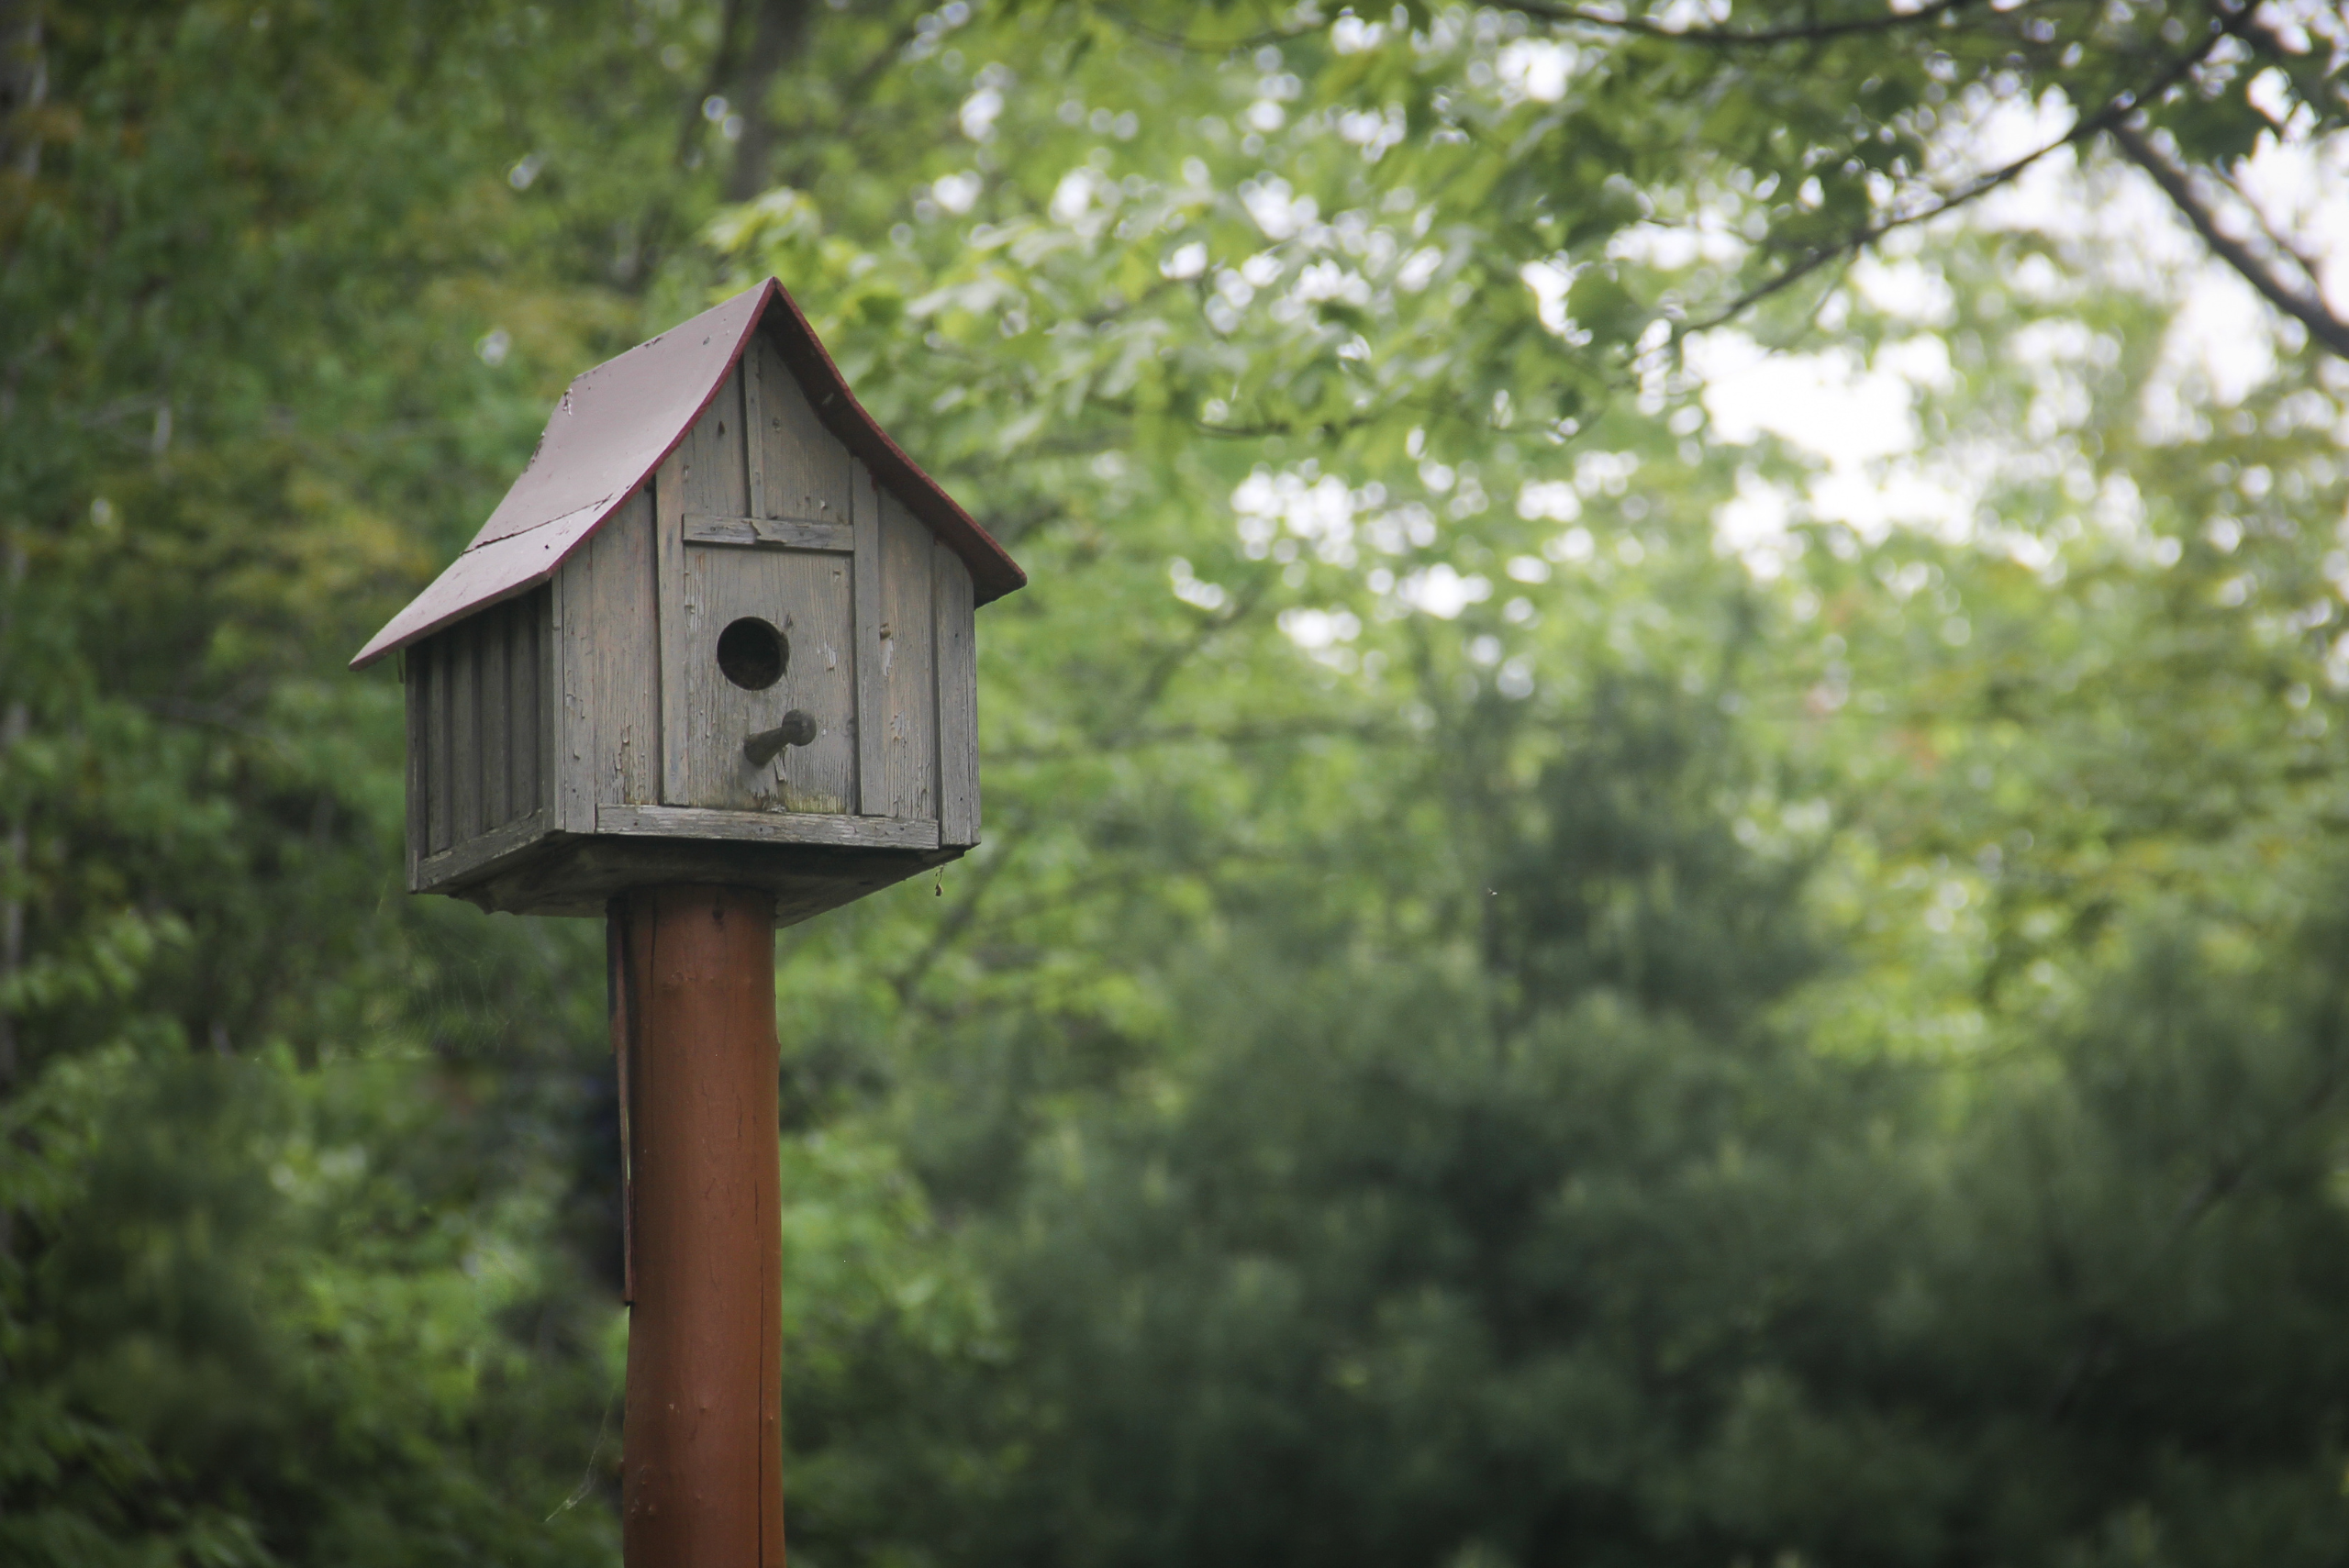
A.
pixel 721 631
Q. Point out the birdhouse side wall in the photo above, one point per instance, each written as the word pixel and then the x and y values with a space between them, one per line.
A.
pixel 924 760
pixel 480 724
pixel 955 638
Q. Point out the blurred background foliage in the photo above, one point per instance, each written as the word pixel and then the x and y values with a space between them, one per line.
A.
pixel 1542 989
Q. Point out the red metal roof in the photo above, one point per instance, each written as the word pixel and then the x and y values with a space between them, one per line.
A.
pixel 618 422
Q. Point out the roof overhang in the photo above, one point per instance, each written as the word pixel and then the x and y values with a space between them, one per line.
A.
pixel 620 421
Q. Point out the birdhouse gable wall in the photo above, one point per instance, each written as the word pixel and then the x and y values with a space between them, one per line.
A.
pixel 766 520
pixel 755 513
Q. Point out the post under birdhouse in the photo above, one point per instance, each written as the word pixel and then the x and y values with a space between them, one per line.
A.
pixel 710 667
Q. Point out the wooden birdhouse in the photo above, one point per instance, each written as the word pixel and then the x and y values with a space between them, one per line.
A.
pixel 720 631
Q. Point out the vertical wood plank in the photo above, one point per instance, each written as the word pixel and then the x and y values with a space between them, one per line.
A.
pixel 909 679
pixel 493 638
pixel 821 682
pixel 711 478
pixel 464 729
pixel 419 760
pixel 668 513
pixel 753 372
pixel 713 453
pixel 442 790
pixel 871 777
pixel 807 473
pixel 525 649
pixel 623 655
pixel 574 714
pixel 958 699
pixel 550 704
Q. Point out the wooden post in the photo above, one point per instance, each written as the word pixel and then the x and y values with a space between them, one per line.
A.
pixel 692 1013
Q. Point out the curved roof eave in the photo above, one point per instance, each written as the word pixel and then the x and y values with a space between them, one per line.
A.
pixel 620 421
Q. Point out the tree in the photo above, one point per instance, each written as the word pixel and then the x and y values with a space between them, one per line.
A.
pixel 1408 795
pixel 242 1305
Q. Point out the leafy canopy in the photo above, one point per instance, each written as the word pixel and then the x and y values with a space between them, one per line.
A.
pixel 1542 988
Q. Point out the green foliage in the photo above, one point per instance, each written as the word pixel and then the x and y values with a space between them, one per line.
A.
pixel 280 1317
pixel 1496 1023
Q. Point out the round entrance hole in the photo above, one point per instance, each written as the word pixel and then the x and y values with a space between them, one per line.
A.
pixel 752 654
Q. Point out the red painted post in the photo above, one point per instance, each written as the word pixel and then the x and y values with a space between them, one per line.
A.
pixel 693 1016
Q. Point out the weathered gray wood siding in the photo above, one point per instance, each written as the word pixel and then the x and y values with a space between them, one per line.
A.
pixel 761 511
pixel 958 698
pixel 608 661
pixel 479 722
pixel 797 468
pixel 908 668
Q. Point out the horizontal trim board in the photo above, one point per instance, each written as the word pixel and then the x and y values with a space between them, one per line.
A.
pixel 483 850
pixel 767 828
pixel 774 533
pixel 566 875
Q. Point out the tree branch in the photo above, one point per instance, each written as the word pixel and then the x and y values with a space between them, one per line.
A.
pixel 2107 118
pixel 1578 16
pixel 1735 38
pixel 1275 35
pixel 721 66
pixel 2308 308
pixel 24 87
pixel 853 98
pixel 777 36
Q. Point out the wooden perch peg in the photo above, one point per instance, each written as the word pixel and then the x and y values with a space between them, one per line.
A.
pixel 798 729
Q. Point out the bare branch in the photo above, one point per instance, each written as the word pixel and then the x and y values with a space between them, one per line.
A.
pixel 721 66
pixel 24 87
pixel 2306 306
pixel 777 36
pixel 1736 37
pixel 855 100
pixel 2107 118
pixel 1580 15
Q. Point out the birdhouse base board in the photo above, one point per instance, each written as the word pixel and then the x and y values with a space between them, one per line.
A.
pixel 562 873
